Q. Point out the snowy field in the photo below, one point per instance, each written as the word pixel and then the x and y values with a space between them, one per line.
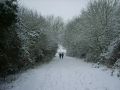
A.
pixel 66 74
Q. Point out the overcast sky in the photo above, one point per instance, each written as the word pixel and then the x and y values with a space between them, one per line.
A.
pixel 64 8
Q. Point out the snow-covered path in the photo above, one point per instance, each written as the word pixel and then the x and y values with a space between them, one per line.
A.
pixel 66 74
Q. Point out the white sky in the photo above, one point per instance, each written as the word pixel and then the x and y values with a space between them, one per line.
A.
pixel 64 8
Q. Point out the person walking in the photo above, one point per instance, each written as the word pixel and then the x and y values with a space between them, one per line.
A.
pixel 62 55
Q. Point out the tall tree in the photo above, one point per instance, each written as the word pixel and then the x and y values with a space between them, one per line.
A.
pixel 9 41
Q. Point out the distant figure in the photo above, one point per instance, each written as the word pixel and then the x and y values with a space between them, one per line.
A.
pixel 61 51
pixel 62 55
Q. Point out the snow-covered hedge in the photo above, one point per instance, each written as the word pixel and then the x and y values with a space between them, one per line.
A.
pixel 90 34
pixel 24 41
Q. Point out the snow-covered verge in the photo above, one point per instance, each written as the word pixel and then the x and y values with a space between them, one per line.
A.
pixel 66 74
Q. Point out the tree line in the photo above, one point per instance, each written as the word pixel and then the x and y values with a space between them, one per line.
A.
pixel 95 33
pixel 26 37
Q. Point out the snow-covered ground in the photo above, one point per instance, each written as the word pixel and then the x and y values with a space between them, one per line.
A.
pixel 66 74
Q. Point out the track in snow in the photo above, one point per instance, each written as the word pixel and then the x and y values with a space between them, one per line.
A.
pixel 66 74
